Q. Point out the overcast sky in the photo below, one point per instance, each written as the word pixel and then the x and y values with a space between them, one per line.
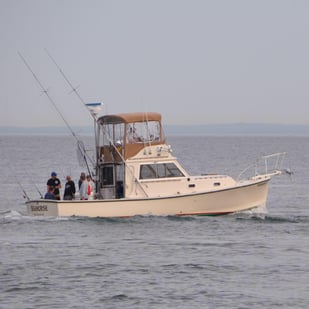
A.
pixel 196 62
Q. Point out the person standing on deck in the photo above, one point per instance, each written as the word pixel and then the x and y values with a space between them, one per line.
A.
pixel 83 190
pixel 90 187
pixel 55 183
pixel 82 175
pixel 69 189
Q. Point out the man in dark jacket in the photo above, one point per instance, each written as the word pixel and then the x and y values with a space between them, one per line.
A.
pixel 55 183
pixel 69 189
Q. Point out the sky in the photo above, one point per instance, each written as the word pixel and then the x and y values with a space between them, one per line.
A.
pixel 193 61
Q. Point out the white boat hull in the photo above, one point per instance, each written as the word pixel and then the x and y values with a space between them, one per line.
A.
pixel 242 197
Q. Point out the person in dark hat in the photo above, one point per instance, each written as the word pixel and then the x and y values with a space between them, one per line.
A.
pixel 55 183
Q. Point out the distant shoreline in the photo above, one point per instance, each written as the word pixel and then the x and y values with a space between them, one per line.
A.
pixel 211 129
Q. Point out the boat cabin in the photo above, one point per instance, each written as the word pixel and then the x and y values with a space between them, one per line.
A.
pixel 121 138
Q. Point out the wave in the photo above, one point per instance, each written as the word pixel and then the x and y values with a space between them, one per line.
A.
pixel 11 214
pixel 266 218
pixel 8 216
pixel 292 219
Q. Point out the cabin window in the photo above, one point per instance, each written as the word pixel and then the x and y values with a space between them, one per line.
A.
pixel 148 171
pixel 113 133
pixel 161 170
pixel 108 175
pixel 143 132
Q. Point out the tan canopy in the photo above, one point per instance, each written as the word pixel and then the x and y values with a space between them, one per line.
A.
pixel 129 118
pixel 129 148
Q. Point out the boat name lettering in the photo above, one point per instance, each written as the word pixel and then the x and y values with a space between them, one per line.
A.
pixel 39 208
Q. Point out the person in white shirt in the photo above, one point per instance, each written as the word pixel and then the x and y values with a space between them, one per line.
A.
pixel 83 190
pixel 90 189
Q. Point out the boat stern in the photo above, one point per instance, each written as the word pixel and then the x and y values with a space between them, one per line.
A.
pixel 46 208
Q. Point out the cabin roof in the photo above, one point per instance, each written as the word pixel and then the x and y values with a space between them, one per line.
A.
pixel 130 117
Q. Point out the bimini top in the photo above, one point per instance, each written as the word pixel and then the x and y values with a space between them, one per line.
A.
pixel 129 118
pixel 132 132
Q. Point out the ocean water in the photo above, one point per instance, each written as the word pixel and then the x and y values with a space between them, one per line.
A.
pixel 256 259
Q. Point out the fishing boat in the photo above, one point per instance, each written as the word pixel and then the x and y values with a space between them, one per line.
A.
pixel 136 173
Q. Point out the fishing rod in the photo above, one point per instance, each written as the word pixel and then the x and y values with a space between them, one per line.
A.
pixel 22 188
pixel 45 91
pixel 37 189
pixel 25 195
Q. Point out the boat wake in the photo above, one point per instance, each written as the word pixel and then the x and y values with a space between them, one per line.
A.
pixel 261 214
pixel 257 214
pixel 8 216
pixel 14 214
pixel 293 219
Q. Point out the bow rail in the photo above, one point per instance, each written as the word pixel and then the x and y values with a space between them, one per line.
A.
pixel 269 165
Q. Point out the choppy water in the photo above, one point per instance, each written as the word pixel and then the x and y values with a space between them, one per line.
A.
pixel 255 259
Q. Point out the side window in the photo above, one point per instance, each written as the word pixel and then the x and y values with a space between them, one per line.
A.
pixel 165 170
pixel 161 171
pixel 172 170
pixel 148 171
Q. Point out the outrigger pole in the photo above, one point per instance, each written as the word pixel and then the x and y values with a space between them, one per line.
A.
pixel 74 89
pixel 45 91
pixel 93 114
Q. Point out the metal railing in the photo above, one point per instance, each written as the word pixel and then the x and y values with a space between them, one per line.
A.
pixel 266 165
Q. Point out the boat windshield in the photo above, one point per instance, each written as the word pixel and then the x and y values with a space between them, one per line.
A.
pixel 113 133
pixel 143 132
